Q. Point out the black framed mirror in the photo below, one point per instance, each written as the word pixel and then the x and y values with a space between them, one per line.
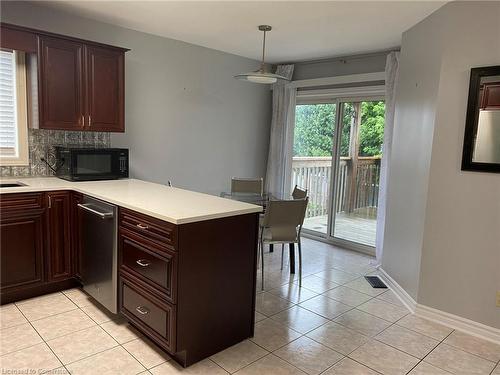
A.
pixel 481 151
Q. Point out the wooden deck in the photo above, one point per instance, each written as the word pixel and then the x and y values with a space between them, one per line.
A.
pixel 351 227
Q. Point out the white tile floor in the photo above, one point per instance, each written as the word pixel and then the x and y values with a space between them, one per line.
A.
pixel 335 324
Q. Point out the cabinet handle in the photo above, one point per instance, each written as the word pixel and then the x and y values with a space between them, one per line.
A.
pixel 142 310
pixel 90 119
pixel 142 226
pixel 50 201
pixel 83 121
pixel 143 262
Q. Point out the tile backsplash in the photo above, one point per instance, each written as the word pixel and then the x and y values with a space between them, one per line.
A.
pixel 41 144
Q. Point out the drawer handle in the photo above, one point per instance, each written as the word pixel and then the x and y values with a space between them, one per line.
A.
pixel 142 226
pixel 143 262
pixel 142 310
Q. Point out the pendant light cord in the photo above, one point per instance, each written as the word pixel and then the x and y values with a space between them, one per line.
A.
pixel 263 52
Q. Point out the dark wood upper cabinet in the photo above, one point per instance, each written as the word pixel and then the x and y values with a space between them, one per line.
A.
pixel 105 89
pixel 18 39
pixel 491 96
pixel 22 233
pixel 61 93
pixel 81 83
pixel 58 238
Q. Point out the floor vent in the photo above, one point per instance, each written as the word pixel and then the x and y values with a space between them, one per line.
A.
pixel 375 282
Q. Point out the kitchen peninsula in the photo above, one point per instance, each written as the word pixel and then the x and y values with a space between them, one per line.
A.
pixel 186 261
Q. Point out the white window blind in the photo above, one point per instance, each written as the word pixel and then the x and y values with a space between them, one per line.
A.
pixel 13 109
pixel 8 108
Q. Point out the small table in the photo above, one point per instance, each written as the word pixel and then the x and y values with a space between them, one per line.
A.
pixel 261 200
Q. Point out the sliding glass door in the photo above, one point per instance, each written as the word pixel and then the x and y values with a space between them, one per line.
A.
pixel 337 153
pixel 312 160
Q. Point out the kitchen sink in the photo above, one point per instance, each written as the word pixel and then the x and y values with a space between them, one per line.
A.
pixel 11 184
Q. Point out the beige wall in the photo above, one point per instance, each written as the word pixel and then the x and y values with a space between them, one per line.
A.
pixel 460 271
pixel 451 220
pixel 411 153
pixel 187 119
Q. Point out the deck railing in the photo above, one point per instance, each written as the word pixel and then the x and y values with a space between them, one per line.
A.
pixel 357 184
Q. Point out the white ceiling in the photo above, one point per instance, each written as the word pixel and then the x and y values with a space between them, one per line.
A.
pixel 302 30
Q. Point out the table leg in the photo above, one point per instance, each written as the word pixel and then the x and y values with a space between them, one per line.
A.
pixel 292 257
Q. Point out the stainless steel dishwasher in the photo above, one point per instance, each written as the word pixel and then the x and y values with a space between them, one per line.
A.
pixel 99 253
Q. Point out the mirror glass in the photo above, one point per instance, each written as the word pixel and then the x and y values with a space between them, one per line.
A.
pixel 487 141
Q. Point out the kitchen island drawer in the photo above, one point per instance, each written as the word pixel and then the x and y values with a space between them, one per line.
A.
pixel 151 315
pixel 158 231
pixel 142 259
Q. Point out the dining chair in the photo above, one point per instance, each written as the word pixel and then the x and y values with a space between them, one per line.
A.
pixel 299 193
pixel 282 224
pixel 247 185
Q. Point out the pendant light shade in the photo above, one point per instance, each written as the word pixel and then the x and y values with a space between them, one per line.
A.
pixel 261 75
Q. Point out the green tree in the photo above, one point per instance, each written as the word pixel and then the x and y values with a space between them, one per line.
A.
pixel 314 127
pixel 371 132
pixel 313 135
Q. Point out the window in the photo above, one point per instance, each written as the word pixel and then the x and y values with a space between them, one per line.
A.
pixel 336 156
pixel 13 109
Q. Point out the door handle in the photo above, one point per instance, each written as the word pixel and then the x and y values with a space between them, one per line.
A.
pixel 142 310
pixel 142 226
pixel 143 262
pixel 102 215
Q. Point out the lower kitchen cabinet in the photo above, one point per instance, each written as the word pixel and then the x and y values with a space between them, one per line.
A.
pixel 35 252
pixel 58 239
pixel 150 313
pixel 193 292
pixel 22 242
pixel 190 288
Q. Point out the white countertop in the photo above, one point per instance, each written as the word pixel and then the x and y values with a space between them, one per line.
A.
pixel 177 206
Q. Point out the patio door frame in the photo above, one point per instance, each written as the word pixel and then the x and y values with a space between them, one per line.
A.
pixel 338 96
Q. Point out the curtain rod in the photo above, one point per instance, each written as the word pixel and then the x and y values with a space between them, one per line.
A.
pixel 342 58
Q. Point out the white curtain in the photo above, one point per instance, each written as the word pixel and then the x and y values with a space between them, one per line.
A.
pixel 391 74
pixel 279 161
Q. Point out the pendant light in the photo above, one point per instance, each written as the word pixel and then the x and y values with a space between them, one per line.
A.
pixel 261 75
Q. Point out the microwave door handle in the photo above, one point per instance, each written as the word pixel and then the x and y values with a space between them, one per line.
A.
pixel 102 215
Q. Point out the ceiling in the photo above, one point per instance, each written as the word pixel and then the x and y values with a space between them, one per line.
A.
pixel 302 30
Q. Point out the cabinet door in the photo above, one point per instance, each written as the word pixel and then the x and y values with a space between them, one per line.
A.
pixel 105 89
pixel 21 254
pixel 58 235
pixel 491 96
pixel 61 84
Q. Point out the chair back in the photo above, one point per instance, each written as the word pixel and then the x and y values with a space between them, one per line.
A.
pixel 285 213
pixel 247 185
pixel 299 193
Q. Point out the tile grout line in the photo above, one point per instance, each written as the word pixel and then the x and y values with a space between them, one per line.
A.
pixel 97 324
pixel 494 368
pixel 137 359
pixel 43 340
pixel 354 360
pixel 422 360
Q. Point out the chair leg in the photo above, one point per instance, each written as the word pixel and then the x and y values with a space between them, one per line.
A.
pixel 300 264
pixel 282 252
pixel 262 262
pixel 258 255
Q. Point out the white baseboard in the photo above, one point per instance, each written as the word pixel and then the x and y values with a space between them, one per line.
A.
pixel 450 320
pixel 404 297
pixel 457 322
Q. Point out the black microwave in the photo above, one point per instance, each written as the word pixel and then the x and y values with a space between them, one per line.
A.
pixel 90 164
